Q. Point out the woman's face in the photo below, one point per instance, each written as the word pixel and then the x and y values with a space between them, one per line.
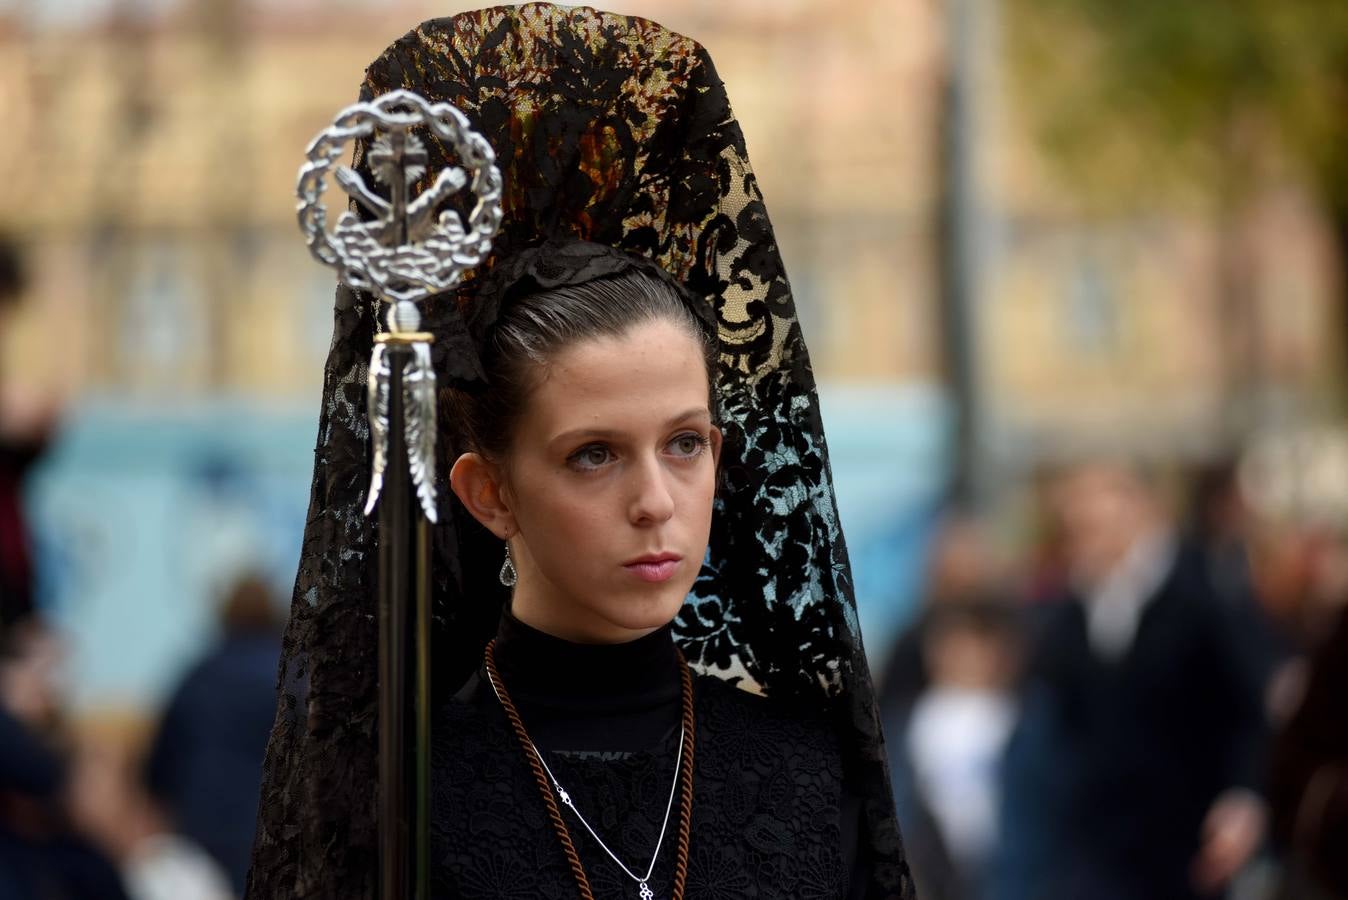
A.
pixel 609 482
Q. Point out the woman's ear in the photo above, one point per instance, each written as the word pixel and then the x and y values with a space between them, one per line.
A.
pixel 477 483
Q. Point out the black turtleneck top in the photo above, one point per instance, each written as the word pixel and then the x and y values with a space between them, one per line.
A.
pixel 771 817
pixel 608 698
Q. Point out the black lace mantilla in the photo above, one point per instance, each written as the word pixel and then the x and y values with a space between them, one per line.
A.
pixel 614 130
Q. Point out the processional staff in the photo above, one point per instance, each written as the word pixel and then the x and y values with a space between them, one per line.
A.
pixel 403 249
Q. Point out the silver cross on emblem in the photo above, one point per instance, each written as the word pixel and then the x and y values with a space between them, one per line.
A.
pixel 411 247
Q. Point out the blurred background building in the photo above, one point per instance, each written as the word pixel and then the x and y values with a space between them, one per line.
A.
pixel 1021 234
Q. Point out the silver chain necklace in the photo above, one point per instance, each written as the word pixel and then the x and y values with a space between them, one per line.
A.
pixel 644 891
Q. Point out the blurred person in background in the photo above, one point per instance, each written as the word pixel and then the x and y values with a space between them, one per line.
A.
pixel 1044 566
pixel 1133 771
pixel 1222 529
pixel 961 564
pixel 1308 777
pixel 1302 570
pixel 205 764
pixel 946 747
pixel 43 853
pixel 127 824
pixel 24 430
pixel 1218 525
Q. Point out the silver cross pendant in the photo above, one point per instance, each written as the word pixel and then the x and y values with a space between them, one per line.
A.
pixel 646 892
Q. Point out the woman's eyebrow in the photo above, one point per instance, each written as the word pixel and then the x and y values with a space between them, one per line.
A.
pixel 695 412
pixel 691 413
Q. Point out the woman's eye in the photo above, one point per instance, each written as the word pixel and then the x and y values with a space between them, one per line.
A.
pixel 591 457
pixel 688 444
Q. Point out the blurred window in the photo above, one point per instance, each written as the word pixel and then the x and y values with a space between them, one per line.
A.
pixel 1092 311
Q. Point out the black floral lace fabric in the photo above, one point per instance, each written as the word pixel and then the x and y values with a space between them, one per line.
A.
pixel 613 130
pixel 766 809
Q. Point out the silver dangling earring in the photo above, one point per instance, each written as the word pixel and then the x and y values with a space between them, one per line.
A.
pixel 508 574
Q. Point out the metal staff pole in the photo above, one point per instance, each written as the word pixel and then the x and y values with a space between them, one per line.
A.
pixel 403 249
pixel 401 577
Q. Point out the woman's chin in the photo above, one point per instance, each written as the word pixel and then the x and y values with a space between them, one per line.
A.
pixel 645 614
pixel 625 613
pixel 647 622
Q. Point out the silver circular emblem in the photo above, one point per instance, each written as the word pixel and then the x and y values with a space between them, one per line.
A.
pixel 400 247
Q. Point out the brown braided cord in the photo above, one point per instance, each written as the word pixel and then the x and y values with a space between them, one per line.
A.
pixel 685 776
pixel 555 814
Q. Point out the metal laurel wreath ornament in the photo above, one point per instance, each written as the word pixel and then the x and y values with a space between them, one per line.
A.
pixel 403 248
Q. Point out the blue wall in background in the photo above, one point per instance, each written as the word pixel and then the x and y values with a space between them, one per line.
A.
pixel 889 449
pixel 142 518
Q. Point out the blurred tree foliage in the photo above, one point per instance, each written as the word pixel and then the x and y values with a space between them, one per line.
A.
pixel 1202 89
pixel 1199 99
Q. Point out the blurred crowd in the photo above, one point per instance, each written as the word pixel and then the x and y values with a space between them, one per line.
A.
pixel 1145 699
pixel 85 815
pixel 165 814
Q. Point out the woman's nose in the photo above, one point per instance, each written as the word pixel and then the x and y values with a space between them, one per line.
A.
pixel 652 498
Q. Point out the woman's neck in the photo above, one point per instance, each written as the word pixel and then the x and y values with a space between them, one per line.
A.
pixel 573 625
pixel 590 696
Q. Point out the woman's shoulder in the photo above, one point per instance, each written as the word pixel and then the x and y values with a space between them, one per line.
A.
pixel 733 696
pixel 742 721
pixel 467 715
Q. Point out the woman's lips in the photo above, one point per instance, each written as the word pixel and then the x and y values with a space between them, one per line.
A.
pixel 654 569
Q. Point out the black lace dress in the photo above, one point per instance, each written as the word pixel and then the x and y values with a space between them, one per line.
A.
pixel 771 816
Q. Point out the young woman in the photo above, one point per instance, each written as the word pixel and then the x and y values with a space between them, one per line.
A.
pixel 593 458
pixel 641 485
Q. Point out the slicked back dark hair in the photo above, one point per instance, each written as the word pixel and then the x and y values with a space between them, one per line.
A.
pixel 533 329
